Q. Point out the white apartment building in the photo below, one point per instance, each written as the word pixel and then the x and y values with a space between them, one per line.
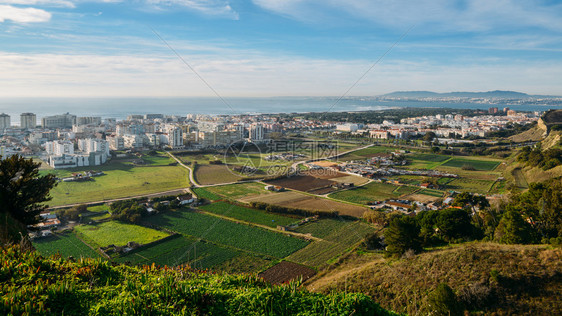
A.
pixel 4 121
pixel 28 121
pixel 257 132
pixel 175 137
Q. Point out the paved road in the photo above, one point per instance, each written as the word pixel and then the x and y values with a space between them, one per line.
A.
pixel 191 178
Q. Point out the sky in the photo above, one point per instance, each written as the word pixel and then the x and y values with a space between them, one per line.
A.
pixel 262 48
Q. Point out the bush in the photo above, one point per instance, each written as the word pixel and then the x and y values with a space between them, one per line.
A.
pixel 443 302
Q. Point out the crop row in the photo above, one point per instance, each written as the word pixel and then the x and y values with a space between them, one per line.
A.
pixel 247 214
pixel 66 245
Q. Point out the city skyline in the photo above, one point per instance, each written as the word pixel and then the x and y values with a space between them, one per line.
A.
pixel 266 48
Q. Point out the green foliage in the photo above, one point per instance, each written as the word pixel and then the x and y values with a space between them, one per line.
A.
pixel 536 157
pixel 127 211
pixel 403 234
pixel 445 226
pixel 22 191
pixel 443 302
pixel 65 244
pixel 469 200
pixel 513 229
pixel 36 285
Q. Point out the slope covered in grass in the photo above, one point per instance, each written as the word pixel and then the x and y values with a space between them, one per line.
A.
pixel 487 278
pixel 32 284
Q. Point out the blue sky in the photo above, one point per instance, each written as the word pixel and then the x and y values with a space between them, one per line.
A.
pixel 81 48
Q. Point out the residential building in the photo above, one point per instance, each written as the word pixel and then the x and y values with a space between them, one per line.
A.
pixel 257 132
pixel 4 121
pixel 59 121
pixel 28 121
pixel 87 120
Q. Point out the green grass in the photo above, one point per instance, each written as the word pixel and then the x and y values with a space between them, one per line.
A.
pixel 239 190
pixel 428 157
pixel 117 233
pixel 215 174
pixel 205 194
pixel 66 244
pixel 335 244
pixel 181 250
pixel 470 185
pixel 477 164
pixel 431 192
pixel 247 214
pixel 372 192
pixel 121 179
pixel 322 228
pixel 366 152
pixel 228 233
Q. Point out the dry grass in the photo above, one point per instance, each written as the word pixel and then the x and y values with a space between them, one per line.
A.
pixel 529 282
pixel 533 134
pixel 214 174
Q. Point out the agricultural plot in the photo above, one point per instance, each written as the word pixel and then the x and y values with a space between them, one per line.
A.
pixel 181 250
pixel 322 227
pixel 206 194
pixel 214 174
pixel 121 179
pixel 303 201
pixel 239 190
pixel 225 232
pixel 476 164
pixel 366 153
pixel 248 214
pixel 373 191
pixel 117 233
pixel 244 263
pixel 470 185
pixel 286 271
pixel 304 183
pixel 431 192
pixel 66 244
pixel 426 161
pixel 335 244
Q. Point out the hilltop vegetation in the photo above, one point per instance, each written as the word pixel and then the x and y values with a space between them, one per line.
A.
pixel 485 279
pixel 36 285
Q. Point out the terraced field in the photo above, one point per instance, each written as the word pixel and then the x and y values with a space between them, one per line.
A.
pixel 225 232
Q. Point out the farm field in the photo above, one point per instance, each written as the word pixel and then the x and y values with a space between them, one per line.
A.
pixel 335 244
pixel 66 244
pixel 245 263
pixel 373 191
pixel 225 232
pixel 117 233
pixel 323 227
pixel 248 214
pixel 471 185
pixel 431 192
pixel 214 174
pixel 366 153
pixel 121 179
pixel 304 183
pixel 180 250
pixel 239 190
pixel 286 271
pixel 477 164
pixel 295 199
pixel 204 193
pixel 425 161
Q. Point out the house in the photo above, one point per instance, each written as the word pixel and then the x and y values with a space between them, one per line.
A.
pixel 185 199
pixel 448 200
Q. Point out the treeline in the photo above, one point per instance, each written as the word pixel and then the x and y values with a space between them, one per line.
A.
pixel 296 211
pixel 376 117
pixel 534 216
pixel 545 160
pixel 133 210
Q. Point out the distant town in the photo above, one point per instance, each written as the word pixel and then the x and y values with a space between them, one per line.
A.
pixel 68 141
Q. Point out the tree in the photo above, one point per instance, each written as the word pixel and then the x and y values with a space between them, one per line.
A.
pixel 513 229
pixel 403 234
pixel 466 199
pixel 443 301
pixel 22 190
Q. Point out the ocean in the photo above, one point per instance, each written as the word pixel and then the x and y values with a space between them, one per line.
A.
pixel 119 108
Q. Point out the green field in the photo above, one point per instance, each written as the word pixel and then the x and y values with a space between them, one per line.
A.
pixel 470 185
pixel 180 250
pixel 117 233
pixel 374 191
pixel 214 174
pixel 366 152
pixel 66 244
pixel 239 190
pixel 322 228
pixel 248 214
pixel 335 244
pixel 121 179
pixel 225 232
pixel 431 192
pixel 477 164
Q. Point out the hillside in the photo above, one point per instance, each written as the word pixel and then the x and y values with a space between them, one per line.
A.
pixel 489 278
pixel 32 284
pixel 533 134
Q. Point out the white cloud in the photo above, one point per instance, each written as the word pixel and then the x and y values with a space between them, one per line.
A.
pixel 209 7
pixel 23 15
pixel 431 15
pixel 54 3
pixel 50 75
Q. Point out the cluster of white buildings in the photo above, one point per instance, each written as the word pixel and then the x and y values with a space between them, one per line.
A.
pixel 91 152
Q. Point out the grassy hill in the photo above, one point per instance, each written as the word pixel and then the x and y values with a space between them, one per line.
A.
pixel 487 278
pixel 32 284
